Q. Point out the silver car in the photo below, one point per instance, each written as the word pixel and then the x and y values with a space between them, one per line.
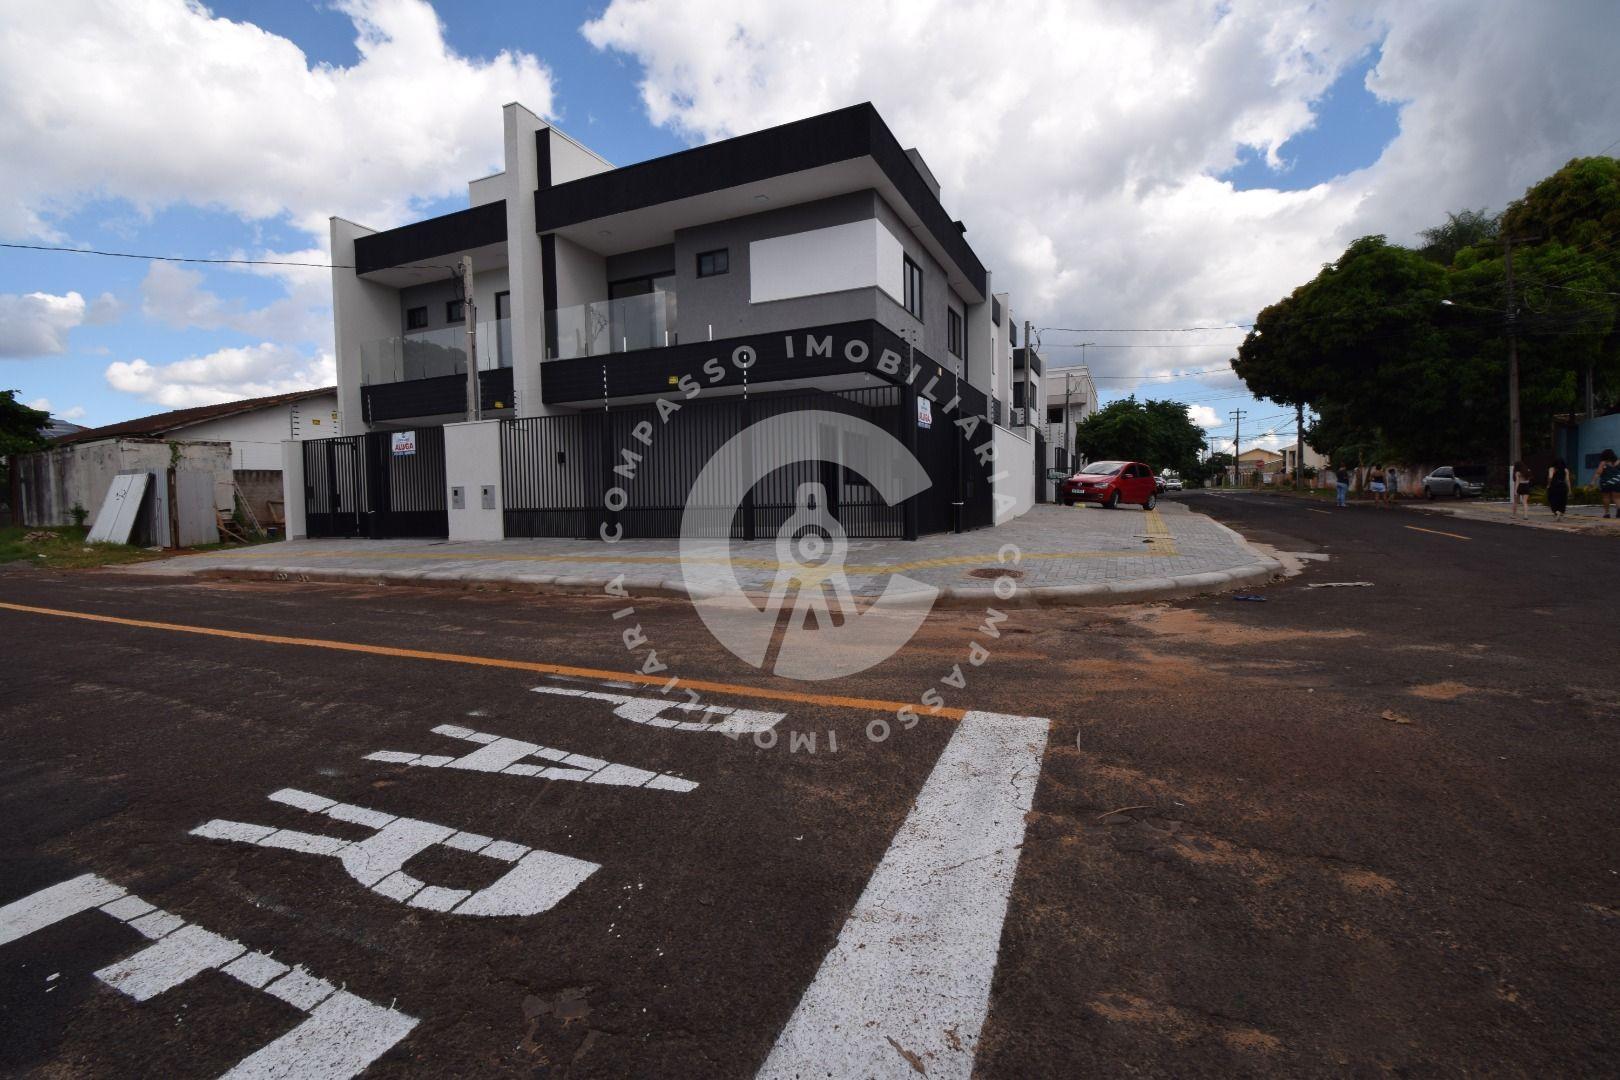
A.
pixel 1445 481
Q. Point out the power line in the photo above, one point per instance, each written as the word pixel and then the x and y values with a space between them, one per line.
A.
pixel 213 262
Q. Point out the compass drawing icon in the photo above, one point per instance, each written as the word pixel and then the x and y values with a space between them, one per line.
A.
pixel 808 624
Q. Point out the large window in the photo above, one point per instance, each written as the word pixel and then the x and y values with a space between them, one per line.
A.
pixel 713 263
pixel 953 331
pixel 416 318
pixel 1054 414
pixel 914 288
pixel 455 311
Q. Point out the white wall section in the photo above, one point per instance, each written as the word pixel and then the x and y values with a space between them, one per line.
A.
pixel 857 255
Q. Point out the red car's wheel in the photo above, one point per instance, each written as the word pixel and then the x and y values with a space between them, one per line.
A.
pixel 1111 501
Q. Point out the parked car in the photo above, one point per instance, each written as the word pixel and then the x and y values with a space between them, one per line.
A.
pixel 1448 480
pixel 1173 484
pixel 1158 484
pixel 1111 483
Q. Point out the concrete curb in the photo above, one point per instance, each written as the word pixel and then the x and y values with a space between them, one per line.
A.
pixel 953 596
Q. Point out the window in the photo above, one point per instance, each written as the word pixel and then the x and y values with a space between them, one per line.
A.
pixel 713 263
pixel 454 312
pixel 995 311
pixel 1054 414
pixel 953 331
pixel 913 289
pixel 1012 333
pixel 416 318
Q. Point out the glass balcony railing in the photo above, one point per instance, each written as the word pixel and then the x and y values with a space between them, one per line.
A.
pixel 609 326
pixel 429 354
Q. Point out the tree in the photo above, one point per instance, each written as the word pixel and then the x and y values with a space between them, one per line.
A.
pixel 1464 229
pixel 1157 432
pixel 19 432
pixel 19 425
pixel 1362 344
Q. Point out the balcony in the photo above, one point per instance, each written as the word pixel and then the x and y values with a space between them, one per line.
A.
pixel 425 373
pixel 626 324
pixel 1027 359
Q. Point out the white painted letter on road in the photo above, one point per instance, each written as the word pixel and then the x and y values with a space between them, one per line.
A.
pixel 536 883
pixel 339 1038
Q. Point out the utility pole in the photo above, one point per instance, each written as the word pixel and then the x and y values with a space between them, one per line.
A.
pixel 469 315
pixel 1237 416
pixel 1299 442
pixel 1514 446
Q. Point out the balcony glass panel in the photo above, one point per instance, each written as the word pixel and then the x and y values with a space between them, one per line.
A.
pixel 609 326
pixel 430 354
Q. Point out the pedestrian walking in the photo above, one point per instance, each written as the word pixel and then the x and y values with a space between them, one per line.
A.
pixel 1376 485
pixel 1607 479
pixel 1341 488
pixel 1521 490
pixel 1558 485
pixel 1392 478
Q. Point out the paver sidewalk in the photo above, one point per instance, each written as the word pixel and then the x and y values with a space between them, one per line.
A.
pixel 1064 555
pixel 1585 519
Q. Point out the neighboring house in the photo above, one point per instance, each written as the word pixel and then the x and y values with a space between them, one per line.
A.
pixel 1071 396
pixel 239 441
pixel 56 429
pixel 1268 463
pixel 1292 463
pixel 807 266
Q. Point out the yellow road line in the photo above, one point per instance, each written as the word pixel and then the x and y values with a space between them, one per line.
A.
pixel 734 689
pixel 1437 532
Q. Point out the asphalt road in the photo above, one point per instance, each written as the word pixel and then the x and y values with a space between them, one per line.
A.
pixel 1233 862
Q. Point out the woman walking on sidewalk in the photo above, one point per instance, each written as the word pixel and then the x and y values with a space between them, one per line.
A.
pixel 1375 484
pixel 1521 490
pixel 1607 479
pixel 1558 485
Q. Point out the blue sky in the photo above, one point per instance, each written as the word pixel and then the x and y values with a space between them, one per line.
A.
pixel 1141 221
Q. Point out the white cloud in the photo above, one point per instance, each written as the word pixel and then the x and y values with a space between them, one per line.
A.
pixel 75 412
pixel 37 323
pixel 158 102
pixel 1204 416
pixel 174 295
pixel 224 375
pixel 1080 141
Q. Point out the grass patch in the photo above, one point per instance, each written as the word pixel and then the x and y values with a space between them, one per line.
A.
pixel 62 547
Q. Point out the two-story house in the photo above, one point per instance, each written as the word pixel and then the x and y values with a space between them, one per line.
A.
pixel 807 266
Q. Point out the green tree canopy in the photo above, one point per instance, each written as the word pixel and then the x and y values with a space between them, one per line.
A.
pixel 1403 353
pixel 1159 433
pixel 19 425
pixel 1464 229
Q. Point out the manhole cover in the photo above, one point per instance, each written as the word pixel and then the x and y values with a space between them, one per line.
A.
pixel 995 572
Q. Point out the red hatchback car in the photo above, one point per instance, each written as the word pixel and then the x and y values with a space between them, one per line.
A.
pixel 1111 483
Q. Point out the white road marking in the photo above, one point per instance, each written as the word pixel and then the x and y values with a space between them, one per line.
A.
pixel 914 961
pixel 170 961
pixel 650 711
pixel 497 754
pixel 538 881
pixel 341 1036
pixel 22 917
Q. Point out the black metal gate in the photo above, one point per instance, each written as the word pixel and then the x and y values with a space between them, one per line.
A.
pixel 1040 467
pixel 556 471
pixel 369 485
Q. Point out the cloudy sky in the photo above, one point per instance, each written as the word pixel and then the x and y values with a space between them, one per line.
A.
pixel 1124 167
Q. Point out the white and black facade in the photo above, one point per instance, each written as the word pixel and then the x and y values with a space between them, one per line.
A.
pixel 807 265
